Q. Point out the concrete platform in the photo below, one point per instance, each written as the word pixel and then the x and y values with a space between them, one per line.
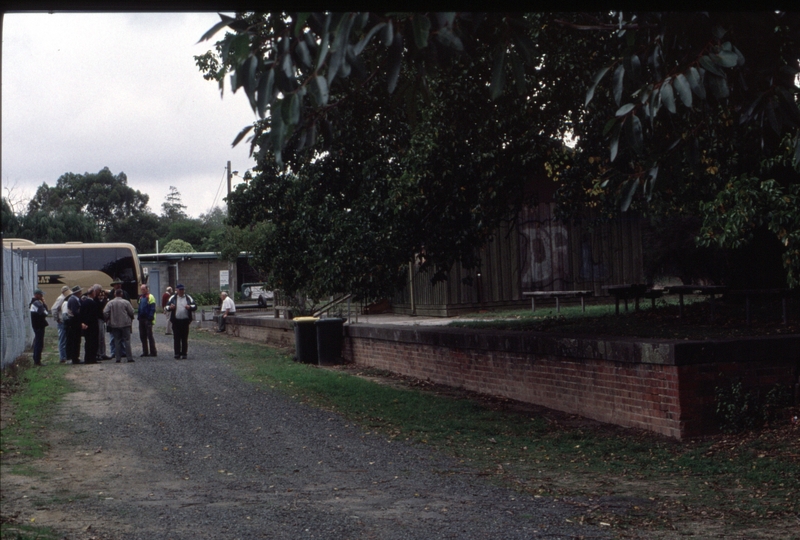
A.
pixel 206 318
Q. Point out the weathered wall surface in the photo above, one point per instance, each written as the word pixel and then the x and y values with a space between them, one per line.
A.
pixel 201 275
pixel 273 332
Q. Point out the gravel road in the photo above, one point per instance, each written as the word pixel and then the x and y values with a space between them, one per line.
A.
pixel 185 449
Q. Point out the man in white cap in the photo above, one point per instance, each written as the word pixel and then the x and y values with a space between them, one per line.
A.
pixel 228 308
pixel 57 311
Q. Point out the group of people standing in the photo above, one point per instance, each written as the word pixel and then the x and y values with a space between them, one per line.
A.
pixel 90 316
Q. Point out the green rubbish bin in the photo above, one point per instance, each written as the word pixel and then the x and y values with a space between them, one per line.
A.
pixel 305 340
pixel 330 337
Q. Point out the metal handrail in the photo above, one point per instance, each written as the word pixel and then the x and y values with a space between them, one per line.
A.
pixel 332 304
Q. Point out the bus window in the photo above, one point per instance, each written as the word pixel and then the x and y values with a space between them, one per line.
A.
pixel 100 259
pixel 121 268
pixel 61 260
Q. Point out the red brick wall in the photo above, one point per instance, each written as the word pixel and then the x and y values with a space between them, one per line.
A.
pixel 273 332
pixel 665 388
pixel 661 386
pixel 633 395
pixel 699 381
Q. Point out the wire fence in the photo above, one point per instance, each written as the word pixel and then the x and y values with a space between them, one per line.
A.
pixel 20 278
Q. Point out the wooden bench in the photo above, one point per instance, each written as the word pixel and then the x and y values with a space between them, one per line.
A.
pixel 707 290
pixel 533 295
pixel 653 294
pixel 748 293
pixel 626 292
pixel 287 311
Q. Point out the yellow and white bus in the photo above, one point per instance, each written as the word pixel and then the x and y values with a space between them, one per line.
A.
pixel 76 263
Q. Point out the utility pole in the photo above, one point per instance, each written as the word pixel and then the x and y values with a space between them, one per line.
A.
pixel 229 178
pixel 232 267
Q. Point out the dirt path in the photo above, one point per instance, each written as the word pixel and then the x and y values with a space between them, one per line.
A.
pixel 166 448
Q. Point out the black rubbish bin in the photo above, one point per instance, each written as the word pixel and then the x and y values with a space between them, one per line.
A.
pixel 330 336
pixel 305 340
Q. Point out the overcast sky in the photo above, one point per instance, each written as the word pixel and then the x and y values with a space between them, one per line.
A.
pixel 83 91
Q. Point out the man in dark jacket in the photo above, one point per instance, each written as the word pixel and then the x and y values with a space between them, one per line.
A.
pixel 72 320
pixel 181 309
pixel 39 323
pixel 89 312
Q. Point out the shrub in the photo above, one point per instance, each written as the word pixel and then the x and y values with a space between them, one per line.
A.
pixel 739 411
pixel 206 298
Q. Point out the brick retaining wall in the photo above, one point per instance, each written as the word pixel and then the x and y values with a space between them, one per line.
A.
pixel 274 332
pixel 662 386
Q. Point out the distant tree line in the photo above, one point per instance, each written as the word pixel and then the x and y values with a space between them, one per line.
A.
pixel 102 207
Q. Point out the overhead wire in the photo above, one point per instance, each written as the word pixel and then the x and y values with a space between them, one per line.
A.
pixel 213 204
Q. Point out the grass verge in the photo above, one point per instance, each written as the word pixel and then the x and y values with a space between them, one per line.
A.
pixel 723 485
pixel 661 322
pixel 33 394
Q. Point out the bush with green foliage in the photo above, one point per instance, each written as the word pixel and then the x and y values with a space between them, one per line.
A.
pixel 178 246
pixel 739 410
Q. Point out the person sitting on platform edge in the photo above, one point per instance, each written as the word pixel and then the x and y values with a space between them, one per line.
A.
pixel 228 308
pixel 39 323
pixel 181 308
pixel 147 318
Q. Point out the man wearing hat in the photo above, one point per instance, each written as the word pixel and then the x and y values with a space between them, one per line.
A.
pixel 89 314
pixel 72 322
pixel 116 285
pixel 58 308
pixel 39 323
pixel 181 309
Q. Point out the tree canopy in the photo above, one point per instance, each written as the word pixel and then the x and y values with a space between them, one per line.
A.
pixel 178 246
pixel 102 207
pixel 458 111
pixel 105 197
pixel 65 225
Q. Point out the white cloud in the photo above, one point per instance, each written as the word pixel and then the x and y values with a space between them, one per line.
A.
pixel 82 91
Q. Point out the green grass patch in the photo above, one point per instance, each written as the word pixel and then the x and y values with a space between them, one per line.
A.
pixel 537 453
pixel 661 322
pixel 19 531
pixel 35 394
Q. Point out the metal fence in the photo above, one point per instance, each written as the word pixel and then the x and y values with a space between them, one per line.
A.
pixel 20 278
